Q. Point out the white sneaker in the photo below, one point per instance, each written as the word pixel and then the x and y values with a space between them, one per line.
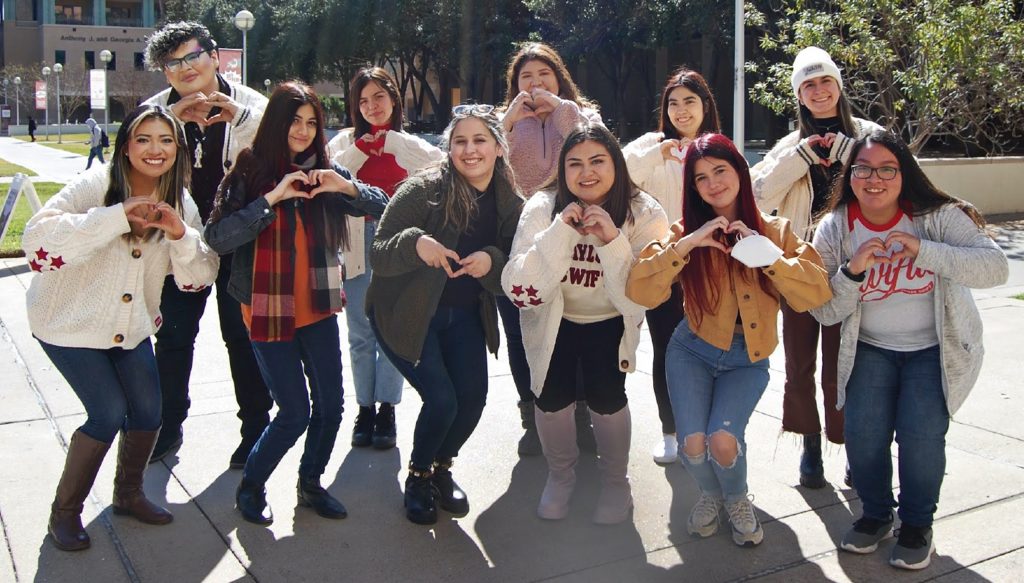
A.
pixel 666 449
pixel 703 520
pixel 746 530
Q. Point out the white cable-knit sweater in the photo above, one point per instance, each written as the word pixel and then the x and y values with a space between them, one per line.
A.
pixel 96 288
pixel 411 153
pixel 541 254
pixel 662 179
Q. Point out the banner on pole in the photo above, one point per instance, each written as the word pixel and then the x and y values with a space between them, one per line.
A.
pixel 231 64
pixel 98 88
pixel 40 94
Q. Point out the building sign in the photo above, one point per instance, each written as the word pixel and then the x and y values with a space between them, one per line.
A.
pixel 97 89
pixel 231 64
pixel 40 94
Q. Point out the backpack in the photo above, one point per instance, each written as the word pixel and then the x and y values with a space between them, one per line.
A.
pixel 104 139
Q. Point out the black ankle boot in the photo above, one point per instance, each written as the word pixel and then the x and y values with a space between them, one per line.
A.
pixel 419 497
pixel 450 496
pixel 362 434
pixel 251 501
pixel 384 431
pixel 311 494
pixel 812 471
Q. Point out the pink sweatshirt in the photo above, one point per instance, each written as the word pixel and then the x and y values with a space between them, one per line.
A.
pixel 534 146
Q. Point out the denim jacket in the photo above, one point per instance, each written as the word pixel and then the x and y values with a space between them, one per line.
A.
pixel 237 232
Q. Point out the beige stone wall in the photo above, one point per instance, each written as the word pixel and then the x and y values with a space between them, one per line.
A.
pixel 994 185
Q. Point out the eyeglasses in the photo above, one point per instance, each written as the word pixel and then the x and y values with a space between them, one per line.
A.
pixel 883 173
pixel 174 65
pixel 472 109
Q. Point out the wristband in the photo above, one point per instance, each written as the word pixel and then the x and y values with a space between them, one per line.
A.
pixel 845 268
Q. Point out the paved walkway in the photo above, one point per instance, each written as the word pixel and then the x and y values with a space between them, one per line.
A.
pixel 51 164
pixel 978 531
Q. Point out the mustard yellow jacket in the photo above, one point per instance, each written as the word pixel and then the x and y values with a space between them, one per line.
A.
pixel 798 275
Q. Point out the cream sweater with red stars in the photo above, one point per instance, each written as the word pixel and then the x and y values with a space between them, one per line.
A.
pixel 542 253
pixel 96 288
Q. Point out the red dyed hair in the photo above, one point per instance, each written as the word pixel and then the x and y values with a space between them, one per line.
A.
pixel 699 279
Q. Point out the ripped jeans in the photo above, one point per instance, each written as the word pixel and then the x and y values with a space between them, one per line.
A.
pixel 713 393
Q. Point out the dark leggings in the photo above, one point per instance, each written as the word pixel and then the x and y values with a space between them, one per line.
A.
pixel 662 322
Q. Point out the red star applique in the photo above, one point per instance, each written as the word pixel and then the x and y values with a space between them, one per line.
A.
pixel 517 290
pixel 35 265
pixel 536 301
pixel 56 262
pixel 531 291
pixel 187 287
pixel 519 303
pixel 41 254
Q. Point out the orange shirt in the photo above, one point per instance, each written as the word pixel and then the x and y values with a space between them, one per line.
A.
pixel 304 314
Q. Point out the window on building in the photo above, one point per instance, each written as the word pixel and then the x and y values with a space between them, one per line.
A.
pixel 73 12
pixel 112 65
pixel 124 12
pixel 140 62
pixel 90 60
pixel 60 57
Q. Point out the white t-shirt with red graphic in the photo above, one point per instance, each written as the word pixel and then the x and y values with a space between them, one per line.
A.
pixel 586 300
pixel 897 299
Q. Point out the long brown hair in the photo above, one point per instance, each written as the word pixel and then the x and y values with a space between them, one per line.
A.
pixel 918 193
pixel 362 78
pixel 260 166
pixel 623 191
pixel 171 185
pixel 541 52
pixel 695 82
pixel 700 279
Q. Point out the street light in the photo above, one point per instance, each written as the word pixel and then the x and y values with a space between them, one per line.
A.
pixel 57 70
pixel 105 57
pixel 46 110
pixel 266 86
pixel 244 21
pixel 17 100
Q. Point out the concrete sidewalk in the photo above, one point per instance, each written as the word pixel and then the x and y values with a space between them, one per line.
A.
pixel 978 530
pixel 51 164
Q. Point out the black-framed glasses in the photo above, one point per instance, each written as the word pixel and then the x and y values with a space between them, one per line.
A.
pixel 472 109
pixel 865 172
pixel 174 65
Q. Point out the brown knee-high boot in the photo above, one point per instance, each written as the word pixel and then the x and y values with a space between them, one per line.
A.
pixel 85 455
pixel 132 458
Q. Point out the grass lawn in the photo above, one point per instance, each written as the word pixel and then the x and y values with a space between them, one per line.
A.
pixel 11 245
pixel 8 169
pixel 1019 297
pixel 74 143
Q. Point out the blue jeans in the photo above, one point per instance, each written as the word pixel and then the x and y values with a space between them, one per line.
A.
pixel 95 152
pixel 377 380
pixel 514 344
pixel 713 390
pixel 118 387
pixel 315 349
pixel 897 392
pixel 451 378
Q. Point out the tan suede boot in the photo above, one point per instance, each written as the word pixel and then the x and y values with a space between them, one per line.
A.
pixel 557 433
pixel 613 434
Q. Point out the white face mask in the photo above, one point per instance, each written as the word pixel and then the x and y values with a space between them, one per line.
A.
pixel 756 251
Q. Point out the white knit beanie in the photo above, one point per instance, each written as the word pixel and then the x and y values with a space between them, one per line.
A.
pixel 813 62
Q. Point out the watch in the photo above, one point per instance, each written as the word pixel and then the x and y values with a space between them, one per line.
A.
pixel 845 268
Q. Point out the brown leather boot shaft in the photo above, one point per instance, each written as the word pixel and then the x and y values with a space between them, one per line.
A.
pixel 132 458
pixel 85 455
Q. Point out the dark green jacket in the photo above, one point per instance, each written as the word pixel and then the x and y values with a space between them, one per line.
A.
pixel 404 291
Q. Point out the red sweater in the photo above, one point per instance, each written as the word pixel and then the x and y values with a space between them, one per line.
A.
pixel 380 169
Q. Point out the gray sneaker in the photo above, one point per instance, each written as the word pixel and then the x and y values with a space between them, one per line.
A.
pixel 865 535
pixel 703 520
pixel 914 547
pixel 746 530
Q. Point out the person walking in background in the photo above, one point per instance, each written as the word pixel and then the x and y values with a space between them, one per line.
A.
pixel 794 177
pixel 655 163
pixel 282 213
pixel 717 360
pixel 95 143
pixel 32 128
pixel 102 247
pixel 220 120
pixel 902 256
pixel 381 154
pixel 542 105
pixel 437 261
pixel 567 274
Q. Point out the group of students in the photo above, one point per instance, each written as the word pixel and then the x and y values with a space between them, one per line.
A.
pixel 531 212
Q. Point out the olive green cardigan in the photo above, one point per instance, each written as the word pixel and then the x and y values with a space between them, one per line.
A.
pixel 404 292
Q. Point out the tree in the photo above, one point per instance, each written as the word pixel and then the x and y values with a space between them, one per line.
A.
pixel 938 69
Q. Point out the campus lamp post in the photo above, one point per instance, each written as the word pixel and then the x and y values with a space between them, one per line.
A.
pixel 57 70
pixel 266 86
pixel 105 57
pixel 17 101
pixel 244 21
pixel 46 110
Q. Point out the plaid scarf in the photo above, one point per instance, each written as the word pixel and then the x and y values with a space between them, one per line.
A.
pixel 273 277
